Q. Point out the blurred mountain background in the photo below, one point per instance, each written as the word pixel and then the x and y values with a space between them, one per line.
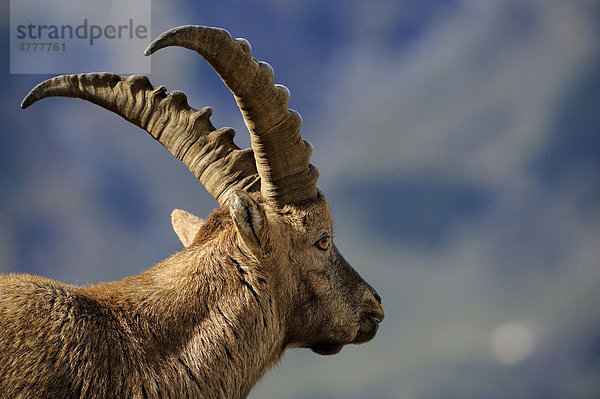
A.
pixel 459 147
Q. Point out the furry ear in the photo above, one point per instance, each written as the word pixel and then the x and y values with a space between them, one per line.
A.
pixel 186 226
pixel 249 219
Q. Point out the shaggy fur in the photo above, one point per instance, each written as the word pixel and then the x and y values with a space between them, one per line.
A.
pixel 207 322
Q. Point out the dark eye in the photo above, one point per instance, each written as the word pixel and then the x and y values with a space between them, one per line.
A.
pixel 323 243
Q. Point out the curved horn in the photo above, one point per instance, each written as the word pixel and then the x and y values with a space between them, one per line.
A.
pixel 282 156
pixel 210 154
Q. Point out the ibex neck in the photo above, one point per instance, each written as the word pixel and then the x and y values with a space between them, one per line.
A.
pixel 213 325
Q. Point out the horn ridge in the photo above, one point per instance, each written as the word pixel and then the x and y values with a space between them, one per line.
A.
pixel 187 133
pixel 282 158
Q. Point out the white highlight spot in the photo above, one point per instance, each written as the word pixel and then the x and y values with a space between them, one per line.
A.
pixel 511 343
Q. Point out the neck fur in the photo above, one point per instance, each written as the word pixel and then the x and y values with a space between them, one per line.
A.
pixel 203 323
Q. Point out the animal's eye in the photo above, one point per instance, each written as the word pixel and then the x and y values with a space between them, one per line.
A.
pixel 323 243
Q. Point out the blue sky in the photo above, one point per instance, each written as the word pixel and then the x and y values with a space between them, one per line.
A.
pixel 458 145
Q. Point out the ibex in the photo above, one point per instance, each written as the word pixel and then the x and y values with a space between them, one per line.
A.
pixel 261 274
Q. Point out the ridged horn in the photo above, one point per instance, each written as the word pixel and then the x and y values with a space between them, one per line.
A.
pixel 282 156
pixel 209 153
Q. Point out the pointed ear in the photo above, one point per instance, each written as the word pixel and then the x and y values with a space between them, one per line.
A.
pixel 186 226
pixel 249 219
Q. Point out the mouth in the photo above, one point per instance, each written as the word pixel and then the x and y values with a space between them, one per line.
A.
pixel 369 324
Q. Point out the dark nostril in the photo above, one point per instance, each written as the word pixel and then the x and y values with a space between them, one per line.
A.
pixel 377 297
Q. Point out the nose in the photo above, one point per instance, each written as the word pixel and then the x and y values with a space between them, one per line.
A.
pixel 376 312
pixel 373 293
pixel 377 297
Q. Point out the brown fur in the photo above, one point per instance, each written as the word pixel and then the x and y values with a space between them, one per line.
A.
pixel 207 322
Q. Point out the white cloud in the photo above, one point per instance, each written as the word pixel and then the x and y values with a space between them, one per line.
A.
pixel 512 342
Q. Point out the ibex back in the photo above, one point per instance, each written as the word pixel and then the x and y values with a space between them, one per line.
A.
pixel 261 274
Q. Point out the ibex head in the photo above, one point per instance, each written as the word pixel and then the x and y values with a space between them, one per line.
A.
pixel 328 304
pixel 271 209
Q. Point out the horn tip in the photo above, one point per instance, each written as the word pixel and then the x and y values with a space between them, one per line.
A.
pixel 27 101
pixel 150 49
